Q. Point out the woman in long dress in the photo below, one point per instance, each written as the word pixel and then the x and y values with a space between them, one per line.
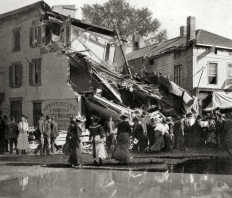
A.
pixel 23 143
pixel 159 132
pixel 121 151
pixel 96 137
pixel 75 142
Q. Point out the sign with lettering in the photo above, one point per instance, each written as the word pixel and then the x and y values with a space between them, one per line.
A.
pixel 61 110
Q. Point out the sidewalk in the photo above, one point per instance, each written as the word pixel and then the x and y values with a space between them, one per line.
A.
pixel 137 160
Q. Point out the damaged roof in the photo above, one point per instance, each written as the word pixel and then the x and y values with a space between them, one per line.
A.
pixel 157 48
pixel 202 38
pixel 78 23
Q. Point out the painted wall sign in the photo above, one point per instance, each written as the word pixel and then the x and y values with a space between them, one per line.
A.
pixel 61 110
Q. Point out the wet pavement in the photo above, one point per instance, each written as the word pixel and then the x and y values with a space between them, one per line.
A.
pixel 192 174
pixel 175 182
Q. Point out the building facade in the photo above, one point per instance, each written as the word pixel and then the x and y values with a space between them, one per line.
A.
pixel 197 60
pixel 33 83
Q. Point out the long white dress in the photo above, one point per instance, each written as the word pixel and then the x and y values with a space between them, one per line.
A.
pixel 23 136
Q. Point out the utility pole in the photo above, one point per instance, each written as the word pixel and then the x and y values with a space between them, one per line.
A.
pixel 124 56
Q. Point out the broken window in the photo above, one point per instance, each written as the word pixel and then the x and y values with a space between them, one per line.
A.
pixel 212 76
pixel 16 40
pixel 37 35
pixel 177 75
pixel 35 72
pixel 15 75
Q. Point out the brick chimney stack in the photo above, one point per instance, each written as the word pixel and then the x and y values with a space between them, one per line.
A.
pixel 191 28
pixel 183 31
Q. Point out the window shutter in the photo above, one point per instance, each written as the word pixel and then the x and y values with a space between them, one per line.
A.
pixel 20 76
pixel 39 35
pixel 31 65
pixel 43 34
pixel 39 76
pixel 32 30
pixel 11 76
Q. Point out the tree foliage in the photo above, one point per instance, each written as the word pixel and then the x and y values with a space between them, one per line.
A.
pixel 128 19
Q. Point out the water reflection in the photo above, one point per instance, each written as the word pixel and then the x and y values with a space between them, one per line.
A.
pixel 103 183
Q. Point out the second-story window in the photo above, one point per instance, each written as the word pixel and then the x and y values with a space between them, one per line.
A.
pixel 229 77
pixel 15 75
pixel 177 75
pixel 16 40
pixel 212 74
pixel 35 72
pixel 37 35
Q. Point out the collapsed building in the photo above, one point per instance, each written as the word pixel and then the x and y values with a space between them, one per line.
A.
pixel 61 66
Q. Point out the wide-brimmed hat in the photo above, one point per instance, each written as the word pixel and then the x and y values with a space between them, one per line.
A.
pixel 169 119
pixel 5 117
pixel 80 118
pixel 189 115
pixel 48 117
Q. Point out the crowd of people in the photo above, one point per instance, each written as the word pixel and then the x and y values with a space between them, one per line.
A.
pixel 140 132
pixel 144 132
pixel 17 135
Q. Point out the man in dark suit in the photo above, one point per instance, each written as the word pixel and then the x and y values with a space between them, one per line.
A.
pixel 40 133
pixel 4 125
pixel 47 134
pixel 54 134
pixel 12 134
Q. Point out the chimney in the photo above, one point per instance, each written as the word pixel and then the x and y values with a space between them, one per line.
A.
pixel 65 10
pixel 191 28
pixel 138 42
pixel 183 31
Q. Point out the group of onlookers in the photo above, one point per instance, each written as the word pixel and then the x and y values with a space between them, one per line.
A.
pixel 17 135
pixel 143 132
pixel 47 131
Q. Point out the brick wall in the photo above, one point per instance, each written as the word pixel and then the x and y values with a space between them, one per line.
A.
pixel 136 66
pixel 166 63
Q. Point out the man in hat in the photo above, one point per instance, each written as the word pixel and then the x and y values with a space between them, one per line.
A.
pixel 54 134
pixel 40 133
pixel 12 134
pixel 4 125
pixel 47 134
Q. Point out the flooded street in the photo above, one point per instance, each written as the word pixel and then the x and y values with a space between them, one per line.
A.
pixel 194 178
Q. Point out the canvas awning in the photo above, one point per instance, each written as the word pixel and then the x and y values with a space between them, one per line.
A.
pixel 220 99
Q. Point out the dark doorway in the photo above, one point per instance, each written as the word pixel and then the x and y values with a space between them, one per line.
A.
pixel 16 110
pixel 37 111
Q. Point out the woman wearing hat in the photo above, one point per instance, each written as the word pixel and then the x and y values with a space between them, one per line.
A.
pixel 96 137
pixel 23 144
pixel 121 151
pixel 75 142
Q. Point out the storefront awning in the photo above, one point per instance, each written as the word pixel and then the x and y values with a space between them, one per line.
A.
pixel 220 99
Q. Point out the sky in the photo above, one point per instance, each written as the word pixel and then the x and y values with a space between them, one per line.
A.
pixel 211 15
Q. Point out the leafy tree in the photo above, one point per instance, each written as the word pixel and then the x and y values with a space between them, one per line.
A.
pixel 128 20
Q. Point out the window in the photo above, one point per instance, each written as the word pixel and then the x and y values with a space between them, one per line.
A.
pixel 35 72
pixel 229 77
pixel 151 62
pixel 37 35
pixel 177 54
pixel 15 75
pixel 16 110
pixel 37 111
pixel 212 73
pixel 16 40
pixel 177 75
